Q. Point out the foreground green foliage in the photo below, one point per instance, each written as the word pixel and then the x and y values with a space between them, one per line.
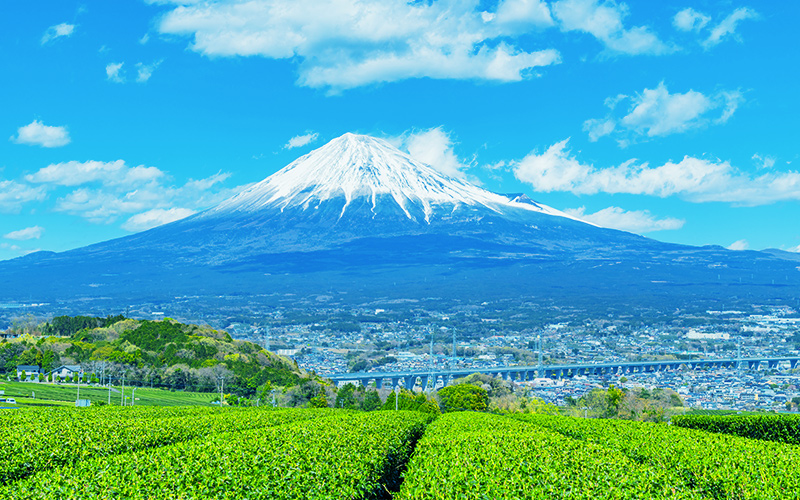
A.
pixel 35 440
pixel 337 456
pixel 780 428
pixel 480 456
pixel 714 465
pixel 463 397
pixel 264 453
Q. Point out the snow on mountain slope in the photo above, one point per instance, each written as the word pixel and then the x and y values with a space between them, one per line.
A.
pixel 359 166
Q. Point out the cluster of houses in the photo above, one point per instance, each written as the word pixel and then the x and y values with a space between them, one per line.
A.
pixel 32 373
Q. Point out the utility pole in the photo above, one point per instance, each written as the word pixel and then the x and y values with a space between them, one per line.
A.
pixel 108 380
pixel 122 394
pixel 221 379
pixel 78 398
pixel 133 395
pixel 396 395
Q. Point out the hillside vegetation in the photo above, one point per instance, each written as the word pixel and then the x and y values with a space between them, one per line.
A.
pixel 165 354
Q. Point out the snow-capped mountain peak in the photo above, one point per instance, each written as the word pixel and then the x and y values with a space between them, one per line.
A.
pixel 353 167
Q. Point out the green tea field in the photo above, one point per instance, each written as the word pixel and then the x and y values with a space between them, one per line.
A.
pixel 37 394
pixel 260 453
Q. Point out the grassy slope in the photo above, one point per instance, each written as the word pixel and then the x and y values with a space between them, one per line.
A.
pixel 51 394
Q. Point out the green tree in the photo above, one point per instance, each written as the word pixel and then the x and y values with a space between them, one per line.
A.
pixel 319 401
pixel 345 397
pixel 614 398
pixel 405 401
pixel 463 397
pixel 372 401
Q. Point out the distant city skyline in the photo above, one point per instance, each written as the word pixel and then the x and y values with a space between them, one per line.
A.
pixel 677 120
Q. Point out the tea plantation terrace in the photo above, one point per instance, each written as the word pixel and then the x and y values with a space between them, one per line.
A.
pixel 527 373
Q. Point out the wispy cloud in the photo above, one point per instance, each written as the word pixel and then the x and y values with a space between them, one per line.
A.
pixel 605 21
pixel 635 221
pixel 657 112
pixel 37 133
pixel 155 217
pixel 739 245
pixel 113 173
pixel 763 162
pixel 105 191
pixel 29 233
pixel 14 195
pixel 710 35
pixel 114 72
pixel 690 20
pixel 692 179
pixel 727 27
pixel 57 31
pixel 145 71
pixel 299 141
pixel 18 249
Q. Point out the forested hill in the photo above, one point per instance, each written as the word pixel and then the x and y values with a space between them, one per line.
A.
pixel 159 353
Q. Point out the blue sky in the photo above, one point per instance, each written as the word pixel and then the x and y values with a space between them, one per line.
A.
pixel 677 119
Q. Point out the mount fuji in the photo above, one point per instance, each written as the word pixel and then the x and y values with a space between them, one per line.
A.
pixel 360 218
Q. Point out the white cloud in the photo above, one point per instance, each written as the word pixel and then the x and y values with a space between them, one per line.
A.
pixel 635 221
pixel 15 194
pixel 57 31
pixel 341 44
pixel 38 134
pixel 104 205
pixel 75 173
pixel 554 170
pixel 656 112
pixel 208 182
pixel 521 14
pixel 739 245
pixel 727 27
pixel 604 21
pixel 598 128
pixel 690 20
pixel 299 141
pixel 145 38
pixel 155 217
pixel 794 249
pixel 18 249
pixel 145 71
pixel 114 72
pixel 693 179
pixel 434 147
pixel 763 162
pixel 29 233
